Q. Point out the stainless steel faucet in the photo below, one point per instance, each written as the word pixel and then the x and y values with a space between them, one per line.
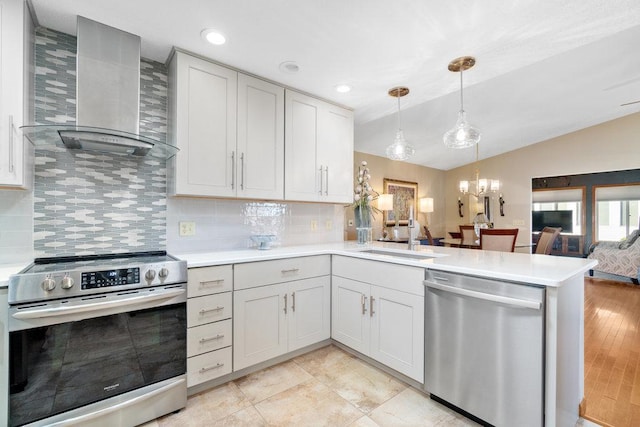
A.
pixel 411 226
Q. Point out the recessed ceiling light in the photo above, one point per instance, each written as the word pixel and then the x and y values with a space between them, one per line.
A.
pixel 343 88
pixel 289 67
pixel 213 36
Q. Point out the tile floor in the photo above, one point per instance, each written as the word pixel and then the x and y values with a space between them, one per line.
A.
pixel 327 387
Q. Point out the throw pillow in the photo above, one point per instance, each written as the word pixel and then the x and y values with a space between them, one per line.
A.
pixel 629 240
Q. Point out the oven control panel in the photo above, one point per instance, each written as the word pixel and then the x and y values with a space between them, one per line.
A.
pixel 106 278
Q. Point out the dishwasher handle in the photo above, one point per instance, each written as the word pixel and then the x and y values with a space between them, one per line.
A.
pixel 514 302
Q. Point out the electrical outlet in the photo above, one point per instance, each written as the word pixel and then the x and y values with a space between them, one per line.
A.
pixel 314 225
pixel 328 225
pixel 518 222
pixel 187 229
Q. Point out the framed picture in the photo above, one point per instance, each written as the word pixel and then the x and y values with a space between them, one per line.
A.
pixel 405 195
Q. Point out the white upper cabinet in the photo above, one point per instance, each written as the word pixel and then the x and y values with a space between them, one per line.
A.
pixel 318 150
pixel 260 149
pixel 229 128
pixel 202 124
pixel 16 84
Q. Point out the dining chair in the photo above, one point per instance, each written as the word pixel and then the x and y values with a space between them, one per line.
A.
pixel 498 239
pixel 468 235
pixel 546 239
pixel 427 233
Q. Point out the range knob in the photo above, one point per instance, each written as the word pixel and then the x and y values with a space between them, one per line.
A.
pixel 67 282
pixel 150 275
pixel 163 273
pixel 48 284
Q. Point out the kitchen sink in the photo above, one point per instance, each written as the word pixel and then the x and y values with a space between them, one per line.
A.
pixel 400 254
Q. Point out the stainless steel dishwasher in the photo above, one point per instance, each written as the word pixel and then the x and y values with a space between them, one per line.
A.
pixel 484 348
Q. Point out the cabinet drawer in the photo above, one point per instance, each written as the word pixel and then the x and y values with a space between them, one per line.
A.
pixel 207 309
pixel 393 276
pixel 208 366
pixel 209 280
pixel 262 273
pixel 209 337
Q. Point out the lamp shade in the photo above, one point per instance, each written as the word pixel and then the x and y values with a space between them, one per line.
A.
pixel 385 202
pixel 426 205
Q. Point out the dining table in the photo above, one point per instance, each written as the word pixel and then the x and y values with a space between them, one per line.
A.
pixel 457 243
pixel 474 244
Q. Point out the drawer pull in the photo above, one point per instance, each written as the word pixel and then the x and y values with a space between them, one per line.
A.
pixel 214 282
pixel 444 279
pixel 291 270
pixel 217 337
pixel 210 368
pixel 203 311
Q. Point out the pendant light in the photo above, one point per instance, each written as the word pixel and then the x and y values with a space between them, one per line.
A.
pixel 462 135
pixel 400 149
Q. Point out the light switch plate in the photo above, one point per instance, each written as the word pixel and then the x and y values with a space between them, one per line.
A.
pixel 187 229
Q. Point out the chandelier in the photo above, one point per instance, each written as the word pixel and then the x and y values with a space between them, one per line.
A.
pixel 480 186
pixel 400 149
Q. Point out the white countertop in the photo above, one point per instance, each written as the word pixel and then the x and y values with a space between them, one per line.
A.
pixel 7 270
pixel 546 270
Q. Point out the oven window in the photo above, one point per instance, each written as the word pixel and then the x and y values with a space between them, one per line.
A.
pixel 61 367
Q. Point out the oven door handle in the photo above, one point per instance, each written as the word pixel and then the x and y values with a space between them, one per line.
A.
pixel 97 306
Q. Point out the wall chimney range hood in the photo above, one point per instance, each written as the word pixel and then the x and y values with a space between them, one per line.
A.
pixel 108 98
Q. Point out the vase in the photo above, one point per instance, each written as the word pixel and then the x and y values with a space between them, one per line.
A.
pixel 363 224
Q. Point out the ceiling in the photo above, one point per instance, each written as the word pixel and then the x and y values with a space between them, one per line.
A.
pixel 544 68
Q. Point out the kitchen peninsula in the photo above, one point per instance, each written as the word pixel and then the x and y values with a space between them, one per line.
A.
pixel 386 270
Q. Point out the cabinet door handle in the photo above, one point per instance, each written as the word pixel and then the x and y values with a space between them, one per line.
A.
pixel 291 270
pixel 371 312
pixel 217 337
pixel 209 368
pixel 233 169
pixel 215 282
pixel 326 187
pixel 205 311
pixel 321 169
pixel 285 303
pixel 363 303
pixel 293 302
pixel 11 148
pixel 242 171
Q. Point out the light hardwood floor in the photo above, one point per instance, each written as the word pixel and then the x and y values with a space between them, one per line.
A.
pixel 612 352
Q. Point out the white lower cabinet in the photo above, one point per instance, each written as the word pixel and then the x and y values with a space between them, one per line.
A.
pixel 273 319
pixel 380 315
pixel 209 323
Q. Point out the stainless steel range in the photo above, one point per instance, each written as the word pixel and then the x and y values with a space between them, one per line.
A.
pixel 97 340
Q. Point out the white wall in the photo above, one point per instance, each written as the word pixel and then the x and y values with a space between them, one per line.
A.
pixel 610 146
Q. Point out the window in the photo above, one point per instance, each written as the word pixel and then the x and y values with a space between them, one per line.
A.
pixel 561 200
pixel 617 211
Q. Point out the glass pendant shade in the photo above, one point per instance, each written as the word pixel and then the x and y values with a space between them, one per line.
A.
pixel 400 149
pixel 462 135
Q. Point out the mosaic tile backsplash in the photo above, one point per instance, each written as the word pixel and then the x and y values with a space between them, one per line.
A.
pixel 86 202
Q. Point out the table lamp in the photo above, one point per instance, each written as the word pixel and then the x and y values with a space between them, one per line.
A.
pixel 385 203
pixel 425 206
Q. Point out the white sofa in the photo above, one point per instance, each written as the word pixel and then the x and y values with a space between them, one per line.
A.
pixel 621 258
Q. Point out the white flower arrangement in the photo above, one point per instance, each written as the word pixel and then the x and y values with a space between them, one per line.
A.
pixel 364 194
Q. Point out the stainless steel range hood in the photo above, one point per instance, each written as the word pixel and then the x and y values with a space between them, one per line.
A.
pixel 108 97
